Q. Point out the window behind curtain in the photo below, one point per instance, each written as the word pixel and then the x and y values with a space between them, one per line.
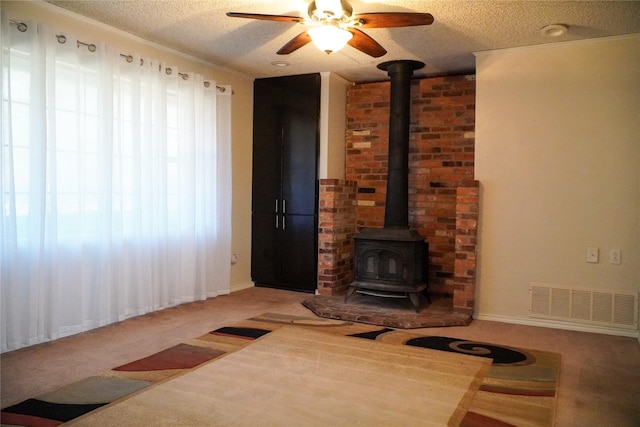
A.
pixel 115 186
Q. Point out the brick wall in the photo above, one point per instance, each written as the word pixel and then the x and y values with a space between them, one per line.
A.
pixel 336 227
pixel 441 160
pixel 467 205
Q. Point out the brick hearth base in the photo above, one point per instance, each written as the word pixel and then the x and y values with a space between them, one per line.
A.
pixel 388 312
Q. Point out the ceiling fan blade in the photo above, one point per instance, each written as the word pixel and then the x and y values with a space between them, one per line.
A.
pixel 295 43
pixel 390 20
pixel 281 18
pixel 365 44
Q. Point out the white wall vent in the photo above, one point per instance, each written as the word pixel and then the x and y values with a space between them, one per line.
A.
pixel 613 309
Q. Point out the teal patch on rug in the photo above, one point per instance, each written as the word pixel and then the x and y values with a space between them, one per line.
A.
pixel 94 390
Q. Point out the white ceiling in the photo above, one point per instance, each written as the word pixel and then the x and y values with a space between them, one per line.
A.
pixel 201 28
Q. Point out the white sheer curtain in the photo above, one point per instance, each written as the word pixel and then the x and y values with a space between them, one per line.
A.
pixel 115 186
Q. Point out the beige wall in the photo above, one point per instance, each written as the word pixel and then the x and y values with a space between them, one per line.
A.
pixel 558 159
pixel 333 126
pixel 242 107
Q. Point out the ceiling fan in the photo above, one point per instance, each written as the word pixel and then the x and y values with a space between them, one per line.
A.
pixel 332 25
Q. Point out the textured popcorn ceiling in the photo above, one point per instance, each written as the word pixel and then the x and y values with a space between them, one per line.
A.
pixel 461 27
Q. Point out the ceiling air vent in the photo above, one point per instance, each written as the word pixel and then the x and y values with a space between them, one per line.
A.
pixel 614 309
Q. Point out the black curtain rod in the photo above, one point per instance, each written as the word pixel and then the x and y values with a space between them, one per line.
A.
pixel 22 27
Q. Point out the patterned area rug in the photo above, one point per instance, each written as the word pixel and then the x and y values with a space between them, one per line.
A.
pixel 519 389
pixel 300 377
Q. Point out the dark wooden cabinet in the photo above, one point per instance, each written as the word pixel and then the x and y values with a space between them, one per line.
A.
pixel 285 171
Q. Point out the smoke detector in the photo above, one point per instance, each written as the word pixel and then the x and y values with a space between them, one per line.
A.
pixel 554 30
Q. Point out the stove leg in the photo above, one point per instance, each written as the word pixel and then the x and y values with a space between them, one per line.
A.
pixel 415 301
pixel 349 293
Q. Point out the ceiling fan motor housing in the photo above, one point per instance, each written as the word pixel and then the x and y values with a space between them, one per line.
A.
pixel 326 10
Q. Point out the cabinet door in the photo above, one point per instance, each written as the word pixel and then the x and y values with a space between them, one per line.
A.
pixel 265 248
pixel 299 158
pixel 299 252
pixel 300 146
pixel 267 147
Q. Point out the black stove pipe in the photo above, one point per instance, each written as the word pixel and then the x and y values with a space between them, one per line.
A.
pixel 396 213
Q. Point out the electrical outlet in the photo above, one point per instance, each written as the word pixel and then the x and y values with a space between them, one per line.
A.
pixel 614 256
pixel 234 259
pixel 592 255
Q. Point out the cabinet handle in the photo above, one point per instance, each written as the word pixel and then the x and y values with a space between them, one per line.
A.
pixel 284 222
pixel 284 206
pixel 277 222
pixel 277 205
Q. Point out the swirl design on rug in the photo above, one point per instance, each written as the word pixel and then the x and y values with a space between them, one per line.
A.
pixel 501 355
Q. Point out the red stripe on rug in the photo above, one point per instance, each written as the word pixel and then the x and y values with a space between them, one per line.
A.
pixel 473 419
pixel 8 418
pixel 181 356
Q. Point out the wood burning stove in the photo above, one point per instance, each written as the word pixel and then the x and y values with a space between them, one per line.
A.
pixel 391 261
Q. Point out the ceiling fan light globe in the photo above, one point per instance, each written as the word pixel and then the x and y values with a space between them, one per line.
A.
pixel 329 38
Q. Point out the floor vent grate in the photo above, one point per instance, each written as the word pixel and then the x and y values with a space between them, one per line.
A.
pixel 618 309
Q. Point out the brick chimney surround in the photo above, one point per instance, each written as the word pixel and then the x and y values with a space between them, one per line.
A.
pixel 443 195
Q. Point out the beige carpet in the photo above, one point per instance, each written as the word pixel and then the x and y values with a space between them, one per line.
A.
pixel 295 376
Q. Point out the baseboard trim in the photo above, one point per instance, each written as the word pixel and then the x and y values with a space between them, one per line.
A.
pixel 555 324
pixel 241 286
